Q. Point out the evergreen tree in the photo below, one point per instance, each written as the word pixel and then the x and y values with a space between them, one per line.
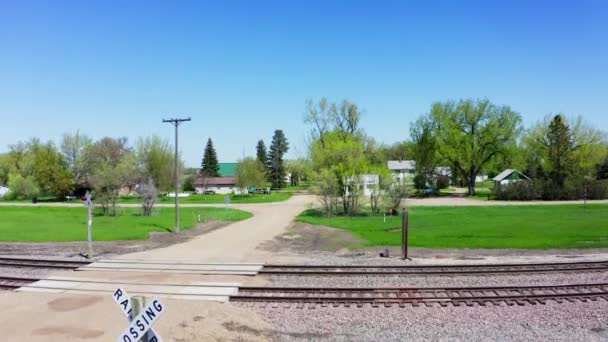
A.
pixel 210 166
pixel 278 148
pixel 262 155
pixel 560 146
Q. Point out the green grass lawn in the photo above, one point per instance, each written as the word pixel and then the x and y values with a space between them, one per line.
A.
pixel 41 224
pixel 529 227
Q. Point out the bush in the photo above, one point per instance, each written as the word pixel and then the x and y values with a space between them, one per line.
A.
pixel 573 189
pixel 517 191
pixel 443 182
pixel 21 188
pixel 419 182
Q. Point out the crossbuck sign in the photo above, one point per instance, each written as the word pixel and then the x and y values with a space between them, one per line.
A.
pixel 136 331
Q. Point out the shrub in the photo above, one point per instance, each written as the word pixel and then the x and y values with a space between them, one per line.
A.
pixel 22 188
pixel 419 182
pixel 443 182
pixel 573 189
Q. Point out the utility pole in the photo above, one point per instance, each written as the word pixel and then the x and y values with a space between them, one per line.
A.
pixel 176 122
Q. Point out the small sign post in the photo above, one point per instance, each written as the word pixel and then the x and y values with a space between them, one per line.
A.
pixel 404 231
pixel 89 204
pixel 141 317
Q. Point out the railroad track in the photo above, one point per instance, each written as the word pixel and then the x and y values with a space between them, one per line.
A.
pixel 11 283
pixel 354 270
pixel 457 296
pixel 42 263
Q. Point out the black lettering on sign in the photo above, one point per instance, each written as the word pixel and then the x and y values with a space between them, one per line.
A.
pixel 157 306
pixel 118 294
pixel 126 338
pixel 151 314
pixel 125 304
pixel 153 339
pixel 134 333
pixel 140 325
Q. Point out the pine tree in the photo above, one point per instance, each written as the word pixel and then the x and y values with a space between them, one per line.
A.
pixel 278 148
pixel 560 146
pixel 262 155
pixel 210 166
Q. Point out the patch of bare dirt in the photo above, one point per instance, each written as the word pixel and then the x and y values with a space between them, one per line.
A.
pixel 107 248
pixel 304 238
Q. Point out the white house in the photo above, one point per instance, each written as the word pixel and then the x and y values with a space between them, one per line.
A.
pixel 402 170
pixel 4 190
pixel 367 182
pixel 405 170
pixel 509 176
pixel 218 185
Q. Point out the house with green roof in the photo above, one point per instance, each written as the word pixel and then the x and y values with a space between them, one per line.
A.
pixel 228 169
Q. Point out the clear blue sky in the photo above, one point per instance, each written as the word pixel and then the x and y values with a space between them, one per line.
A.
pixel 241 69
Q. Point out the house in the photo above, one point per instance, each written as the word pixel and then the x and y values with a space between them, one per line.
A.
pixel 366 183
pixel 402 170
pixel 218 185
pixel 227 169
pixel 4 190
pixel 405 170
pixel 509 176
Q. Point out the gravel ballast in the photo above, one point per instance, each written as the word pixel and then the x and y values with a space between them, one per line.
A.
pixel 551 322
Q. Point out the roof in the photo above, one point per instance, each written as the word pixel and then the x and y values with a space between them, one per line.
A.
pixel 506 173
pixel 401 164
pixel 214 181
pixel 228 169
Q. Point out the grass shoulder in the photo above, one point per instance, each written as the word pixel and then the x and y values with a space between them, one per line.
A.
pixel 526 227
pixel 57 224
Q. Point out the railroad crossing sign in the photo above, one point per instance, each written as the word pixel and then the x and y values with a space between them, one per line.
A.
pixel 140 328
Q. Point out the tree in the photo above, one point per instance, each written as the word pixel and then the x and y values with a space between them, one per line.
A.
pixel 299 169
pixel 249 172
pixel 342 157
pixel 262 154
pixel 559 145
pixel 149 195
pixel 22 187
pixel 75 149
pixel 210 166
pixel 424 151
pixel 470 133
pixel 114 166
pixel 155 158
pixel 278 148
pixel 602 169
pixel 50 170
pixel 396 193
pixel 318 116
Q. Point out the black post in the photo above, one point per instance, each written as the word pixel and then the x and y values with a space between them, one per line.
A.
pixel 404 224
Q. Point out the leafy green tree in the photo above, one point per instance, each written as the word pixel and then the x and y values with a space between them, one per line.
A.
pixel 50 170
pixel 262 154
pixel 155 158
pixel 424 151
pixel 114 166
pixel 210 166
pixel 75 149
pixel 343 157
pixel 299 170
pixel 469 134
pixel 602 169
pixel 249 172
pixel 278 148
pixel 22 187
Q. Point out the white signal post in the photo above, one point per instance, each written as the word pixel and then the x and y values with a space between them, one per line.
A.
pixel 89 204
